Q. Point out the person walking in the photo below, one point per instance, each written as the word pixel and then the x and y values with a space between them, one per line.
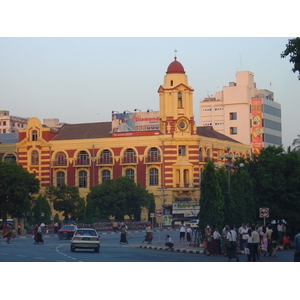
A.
pixel 256 242
pixel 7 233
pixel 42 228
pixel 55 227
pixel 188 233
pixel 19 228
pixel 297 246
pixel 123 238
pixel 231 244
pixel 148 235
pixel 216 240
pixel 39 236
pixel 274 238
pixel 224 237
pixel 169 242
pixel 249 245
pixel 182 232
pixel 264 241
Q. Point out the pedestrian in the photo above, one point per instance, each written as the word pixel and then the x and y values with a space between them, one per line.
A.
pixel 115 226
pixel 274 238
pixel 244 235
pixel 55 227
pixel 188 233
pixel 8 234
pixel 280 232
pixel 35 230
pixel 148 235
pixel 249 246
pixel 39 236
pixel 19 228
pixel 216 240
pixel 269 233
pixel 297 246
pixel 169 242
pixel 264 240
pixel 231 244
pixel 224 237
pixel 182 232
pixel 256 243
pixel 123 238
pixel 287 244
pixel 240 236
pixel 207 238
pixel 42 228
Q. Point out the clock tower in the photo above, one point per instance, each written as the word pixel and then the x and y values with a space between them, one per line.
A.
pixel 176 102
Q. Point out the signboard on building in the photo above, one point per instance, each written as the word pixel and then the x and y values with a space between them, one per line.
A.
pixel 188 209
pixel 135 123
pixel 256 130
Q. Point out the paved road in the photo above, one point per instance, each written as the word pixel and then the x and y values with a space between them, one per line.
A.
pixel 56 250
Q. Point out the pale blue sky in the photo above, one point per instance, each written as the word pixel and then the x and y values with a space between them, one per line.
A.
pixel 81 80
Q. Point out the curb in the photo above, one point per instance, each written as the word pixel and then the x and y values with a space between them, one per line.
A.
pixel 181 250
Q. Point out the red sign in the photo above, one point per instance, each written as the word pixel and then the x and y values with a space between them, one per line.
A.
pixel 158 212
pixel 264 212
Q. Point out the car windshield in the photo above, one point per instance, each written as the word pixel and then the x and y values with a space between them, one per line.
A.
pixel 67 227
pixel 86 232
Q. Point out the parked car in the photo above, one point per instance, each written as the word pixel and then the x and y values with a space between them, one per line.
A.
pixel 194 223
pixel 67 231
pixel 85 238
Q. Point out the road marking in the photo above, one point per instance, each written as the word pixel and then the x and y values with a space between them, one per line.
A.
pixel 20 255
pixel 2 253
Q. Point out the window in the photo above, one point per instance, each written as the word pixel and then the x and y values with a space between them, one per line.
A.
pixel 171 83
pixel 4 123
pixel 34 157
pixel 60 159
pixel 10 157
pixel 179 100
pixel 105 157
pixel 153 155
pixel 105 174
pixel 82 179
pixel 233 116
pixel 129 173
pixel 83 158
pixel 181 150
pixel 129 156
pixel 153 176
pixel 34 135
pixel 60 179
pixel 233 130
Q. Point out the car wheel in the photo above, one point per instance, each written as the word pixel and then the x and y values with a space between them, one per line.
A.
pixel 72 249
pixel 97 249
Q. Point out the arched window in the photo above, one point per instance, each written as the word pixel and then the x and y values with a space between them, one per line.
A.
pixel 60 179
pixel 105 174
pixel 34 157
pixel 82 179
pixel 130 173
pixel 83 158
pixel 129 156
pixel 10 157
pixel 105 157
pixel 34 135
pixel 153 176
pixel 60 159
pixel 153 155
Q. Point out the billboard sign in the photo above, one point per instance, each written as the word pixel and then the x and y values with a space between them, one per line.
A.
pixel 256 129
pixel 135 123
pixel 189 209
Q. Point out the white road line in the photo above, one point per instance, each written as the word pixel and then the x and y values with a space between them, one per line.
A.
pixel 20 255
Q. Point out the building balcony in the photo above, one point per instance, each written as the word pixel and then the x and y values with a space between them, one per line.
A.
pixel 129 160
pixel 105 161
pixel 153 159
pixel 82 162
pixel 59 163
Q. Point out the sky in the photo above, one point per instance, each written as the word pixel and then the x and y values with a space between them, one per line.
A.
pixel 82 79
pixel 79 60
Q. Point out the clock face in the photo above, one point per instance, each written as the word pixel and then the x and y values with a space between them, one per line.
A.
pixel 182 124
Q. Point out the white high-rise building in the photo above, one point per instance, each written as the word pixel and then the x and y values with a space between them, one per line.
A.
pixel 244 113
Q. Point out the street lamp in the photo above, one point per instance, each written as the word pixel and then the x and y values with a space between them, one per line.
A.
pixel 229 165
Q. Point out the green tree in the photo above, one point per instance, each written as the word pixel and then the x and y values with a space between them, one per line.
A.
pixel 212 199
pixel 16 187
pixel 293 50
pixel 41 210
pixel 66 199
pixel 296 142
pixel 117 198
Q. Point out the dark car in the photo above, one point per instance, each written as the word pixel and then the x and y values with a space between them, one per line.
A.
pixel 67 231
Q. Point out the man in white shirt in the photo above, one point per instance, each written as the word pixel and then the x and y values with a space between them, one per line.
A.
pixel 169 242
pixel 240 236
pixel 244 236
pixel 256 241
pixel 231 251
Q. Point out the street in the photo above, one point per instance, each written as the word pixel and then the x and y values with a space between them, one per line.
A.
pixel 22 249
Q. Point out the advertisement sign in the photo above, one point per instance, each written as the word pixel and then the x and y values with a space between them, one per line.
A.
pixel 134 123
pixel 256 129
pixel 167 220
pixel 190 209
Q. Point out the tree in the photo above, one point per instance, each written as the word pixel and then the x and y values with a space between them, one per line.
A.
pixel 16 187
pixel 117 198
pixel 212 199
pixel 41 210
pixel 293 49
pixel 296 142
pixel 66 199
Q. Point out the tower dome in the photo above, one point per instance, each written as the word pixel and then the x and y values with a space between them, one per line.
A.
pixel 175 67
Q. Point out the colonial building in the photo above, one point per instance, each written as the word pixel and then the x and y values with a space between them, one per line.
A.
pixel 245 113
pixel 164 151
pixel 9 124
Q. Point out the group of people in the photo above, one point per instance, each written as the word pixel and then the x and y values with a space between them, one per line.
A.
pixel 252 240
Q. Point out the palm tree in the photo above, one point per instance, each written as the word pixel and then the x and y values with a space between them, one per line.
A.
pixel 296 142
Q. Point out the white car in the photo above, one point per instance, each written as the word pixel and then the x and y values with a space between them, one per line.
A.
pixel 85 238
pixel 194 223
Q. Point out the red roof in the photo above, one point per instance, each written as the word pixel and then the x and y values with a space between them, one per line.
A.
pixel 175 67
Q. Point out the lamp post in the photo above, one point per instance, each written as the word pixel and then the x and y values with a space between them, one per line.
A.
pixel 229 165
